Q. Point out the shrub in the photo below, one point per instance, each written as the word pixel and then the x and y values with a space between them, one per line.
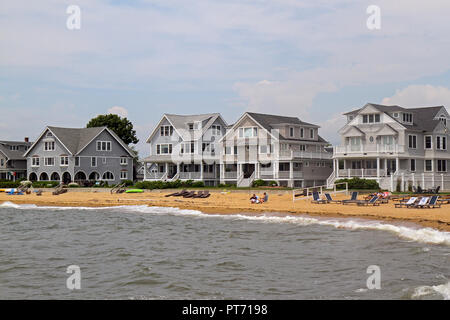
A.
pixel 45 184
pixel 359 184
pixel 9 184
pixel 259 183
pixel 272 183
pixel 73 185
pixel 128 182
pixel 198 184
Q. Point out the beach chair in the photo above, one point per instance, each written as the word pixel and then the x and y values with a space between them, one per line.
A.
pixel 198 195
pixel 353 198
pixel 316 198
pixel 176 194
pixel 373 201
pixel 189 194
pixel 304 193
pixel 407 204
pixel 433 203
pixel 422 203
pixel 330 199
pixel 205 194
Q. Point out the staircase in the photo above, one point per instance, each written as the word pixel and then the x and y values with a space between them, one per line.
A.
pixel 246 182
pixel 331 179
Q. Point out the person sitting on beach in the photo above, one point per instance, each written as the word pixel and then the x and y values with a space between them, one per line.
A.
pixel 253 198
pixel 265 197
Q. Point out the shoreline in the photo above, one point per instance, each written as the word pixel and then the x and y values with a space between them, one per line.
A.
pixel 238 203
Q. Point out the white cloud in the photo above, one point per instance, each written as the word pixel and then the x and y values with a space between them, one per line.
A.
pixel 121 111
pixel 420 95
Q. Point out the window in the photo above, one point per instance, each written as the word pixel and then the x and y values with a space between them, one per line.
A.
pixel 248 132
pixel 166 131
pixel 395 114
pixel 194 126
pixel 35 161
pixel 208 147
pixel 441 165
pixel 428 142
pixel 123 175
pixel 350 118
pixel 93 161
pixel 443 119
pixel 407 117
pixel 428 165
pixel 291 132
pixel 108 176
pixel 265 148
pixel 412 165
pixel 104 160
pixel 77 161
pixel 123 161
pixel 302 133
pixel 103 145
pixel 371 118
pixel 188 148
pixel 49 161
pixel 164 149
pixel 311 133
pixel 191 126
pixel 441 143
pixel 216 130
pixel 412 141
pixel 49 146
pixel 14 148
pixel 307 164
pixel 2 162
pixel 64 161
pixel 302 147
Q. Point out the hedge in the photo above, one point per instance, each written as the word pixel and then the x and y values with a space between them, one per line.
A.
pixel 359 184
pixel 263 183
pixel 168 184
pixel 9 184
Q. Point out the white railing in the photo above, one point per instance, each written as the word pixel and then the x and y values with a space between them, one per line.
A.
pixel 266 174
pixel 155 175
pixel 321 189
pixel 175 177
pixel 190 175
pixel 305 154
pixel 424 180
pixel 252 177
pixel 363 148
pixel 209 175
pixel 331 179
pixel 230 175
pixel 284 174
pixel 297 174
pixel 360 173
pixel 239 181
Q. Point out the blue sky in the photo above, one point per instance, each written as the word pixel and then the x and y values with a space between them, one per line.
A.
pixel 311 59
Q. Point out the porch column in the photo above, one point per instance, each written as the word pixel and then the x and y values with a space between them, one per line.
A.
pixel 378 168
pixel 166 169
pixel 201 170
pixel 178 168
pixel 336 165
pixel 291 170
pixel 397 164
pixel 385 166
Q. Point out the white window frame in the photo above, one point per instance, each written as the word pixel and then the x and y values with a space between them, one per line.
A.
pixel 123 175
pixel 77 159
pixel 415 165
pixel 63 163
pixel 47 145
pixel 46 162
pixel 437 165
pixel 269 148
pixel 412 135
pixel 187 148
pixel 311 133
pixel 107 143
pixel 35 161
pixel 111 179
pixel 95 165
pixel 291 132
pixel 123 161
pixel 169 148
pixel 166 131
pixel 425 165
pixel 253 130
pixel 216 130
pixel 425 142
pixel 441 144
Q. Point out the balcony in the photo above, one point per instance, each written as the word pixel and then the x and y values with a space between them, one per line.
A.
pixel 369 148
pixel 290 154
pixel 344 173
pixel 189 175
pixel 154 175
pixel 230 175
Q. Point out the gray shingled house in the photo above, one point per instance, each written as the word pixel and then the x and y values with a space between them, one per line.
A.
pixel 396 146
pixel 13 164
pixel 79 155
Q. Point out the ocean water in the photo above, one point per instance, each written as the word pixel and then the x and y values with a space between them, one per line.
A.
pixel 140 252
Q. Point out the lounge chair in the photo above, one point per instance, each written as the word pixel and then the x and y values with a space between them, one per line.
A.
pixel 433 203
pixel 353 198
pixel 205 194
pixel 190 194
pixel 176 194
pixel 304 193
pixel 330 199
pixel 422 203
pixel 373 201
pixel 407 204
pixel 198 195
pixel 419 189
pixel 316 198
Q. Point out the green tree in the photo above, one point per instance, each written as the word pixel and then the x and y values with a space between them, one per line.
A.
pixel 121 126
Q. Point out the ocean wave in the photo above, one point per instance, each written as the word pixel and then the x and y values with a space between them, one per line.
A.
pixel 423 291
pixel 423 235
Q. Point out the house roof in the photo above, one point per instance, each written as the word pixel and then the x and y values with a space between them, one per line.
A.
pixel 268 121
pixel 13 154
pixel 76 139
pixel 423 117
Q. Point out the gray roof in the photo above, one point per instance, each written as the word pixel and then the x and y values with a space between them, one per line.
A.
pixel 13 154
pixel 423 117
pixel 268 121
pixel 76 139
pixel 180 124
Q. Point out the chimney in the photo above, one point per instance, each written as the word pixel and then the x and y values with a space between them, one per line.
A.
pixel 27 139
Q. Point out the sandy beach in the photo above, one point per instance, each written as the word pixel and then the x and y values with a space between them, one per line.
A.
pixel 238 202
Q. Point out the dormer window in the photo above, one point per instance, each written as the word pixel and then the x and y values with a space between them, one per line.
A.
pixel 371 118
pixel 194 126
pixel 350 118
pixel 291 132
pixel 166 131
pixel 407 118
pixel 395 114
pixel 248 132
pixel 311 133
pixel 49 134
pixel 443 119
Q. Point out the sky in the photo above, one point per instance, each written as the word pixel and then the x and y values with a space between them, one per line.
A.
pixel 141 59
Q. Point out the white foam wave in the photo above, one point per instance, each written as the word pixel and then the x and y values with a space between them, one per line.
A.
pixel 424 235
pixel 442 289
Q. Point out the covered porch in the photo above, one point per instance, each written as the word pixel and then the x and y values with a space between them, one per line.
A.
pixel 366 168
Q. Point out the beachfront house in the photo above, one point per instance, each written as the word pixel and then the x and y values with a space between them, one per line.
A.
pixel 185 147
pixel 13 164
pixel 79 155
pixel 274 148
pixel 399 147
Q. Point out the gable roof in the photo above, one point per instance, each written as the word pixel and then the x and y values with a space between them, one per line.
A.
pixel 423 117
pixel 13 154
pixel 179 123
pixel 76 139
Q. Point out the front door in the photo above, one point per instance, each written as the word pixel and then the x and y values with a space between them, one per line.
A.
pixel 248 169
pixel 391 167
